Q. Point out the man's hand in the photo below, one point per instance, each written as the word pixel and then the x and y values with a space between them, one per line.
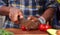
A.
pixel 29 25
pixel 14 13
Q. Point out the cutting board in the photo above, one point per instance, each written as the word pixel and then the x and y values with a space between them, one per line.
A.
pixel 32 32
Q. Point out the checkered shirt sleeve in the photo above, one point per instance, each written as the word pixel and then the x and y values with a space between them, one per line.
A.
pixel 2 3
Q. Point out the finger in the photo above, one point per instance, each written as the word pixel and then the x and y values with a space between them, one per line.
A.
pixel 33 19
pixel 11 16
pixel 21 15
pixel 29 18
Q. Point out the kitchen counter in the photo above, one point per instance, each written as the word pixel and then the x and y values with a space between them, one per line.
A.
pixel 32 32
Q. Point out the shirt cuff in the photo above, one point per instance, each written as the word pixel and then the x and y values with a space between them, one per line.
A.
pixel 42 20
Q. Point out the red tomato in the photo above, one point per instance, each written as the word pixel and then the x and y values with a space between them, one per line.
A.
pixel 41 27
pixel 23 28
pixel 44 27
pixel 47 27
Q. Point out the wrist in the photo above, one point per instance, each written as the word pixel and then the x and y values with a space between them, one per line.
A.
pixel 4 10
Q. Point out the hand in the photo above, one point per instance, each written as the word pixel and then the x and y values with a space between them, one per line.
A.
pixel 28 24
pixel 14 13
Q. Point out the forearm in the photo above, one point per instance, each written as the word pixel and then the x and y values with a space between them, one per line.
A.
pixel 48 14
pixel 4 10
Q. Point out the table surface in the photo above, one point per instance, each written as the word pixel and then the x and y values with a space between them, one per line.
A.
pixel 32 32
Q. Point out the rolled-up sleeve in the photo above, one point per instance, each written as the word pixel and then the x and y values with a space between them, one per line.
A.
pixel 2 3
pixel 51 4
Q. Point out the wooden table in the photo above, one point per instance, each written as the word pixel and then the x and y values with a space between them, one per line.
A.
pixel 20 32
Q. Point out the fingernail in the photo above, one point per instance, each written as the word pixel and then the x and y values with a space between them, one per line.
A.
pixel 21 17
pixel 32 20
pixel 29 18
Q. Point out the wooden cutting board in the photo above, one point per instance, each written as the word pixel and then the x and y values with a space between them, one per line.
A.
pixel 20 32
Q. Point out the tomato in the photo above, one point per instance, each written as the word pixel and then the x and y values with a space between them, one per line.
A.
pixel 41 27
pixel 23 28
pixel 44 27
pixel 47 27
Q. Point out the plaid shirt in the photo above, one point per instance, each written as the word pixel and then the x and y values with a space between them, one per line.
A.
pixel 2 3
pixel 29 8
